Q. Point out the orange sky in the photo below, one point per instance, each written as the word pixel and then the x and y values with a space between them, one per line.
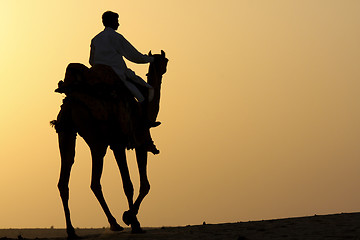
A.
pixel 260 109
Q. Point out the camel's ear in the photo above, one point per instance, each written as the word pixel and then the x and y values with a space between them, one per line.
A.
pixel 162 53
pixel 150 54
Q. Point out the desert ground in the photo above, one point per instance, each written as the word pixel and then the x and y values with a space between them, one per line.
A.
pixel 334 226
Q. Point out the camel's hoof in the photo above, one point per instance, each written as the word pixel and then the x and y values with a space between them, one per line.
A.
pixel 129 217
pixel 116 227
pixel 73 236
pixel 135 228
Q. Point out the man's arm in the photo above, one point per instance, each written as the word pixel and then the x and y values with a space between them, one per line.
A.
pixel 130 52
pixel 92 51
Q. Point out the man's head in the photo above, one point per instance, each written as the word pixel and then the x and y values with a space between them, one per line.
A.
pixel 111 19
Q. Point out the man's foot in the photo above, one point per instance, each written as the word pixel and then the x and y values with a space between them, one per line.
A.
pixel 153 124
pixel 152 148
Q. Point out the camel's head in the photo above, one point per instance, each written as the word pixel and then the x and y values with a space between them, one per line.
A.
pixel 160 63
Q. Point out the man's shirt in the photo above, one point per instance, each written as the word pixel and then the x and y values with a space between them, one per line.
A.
pixel 109 48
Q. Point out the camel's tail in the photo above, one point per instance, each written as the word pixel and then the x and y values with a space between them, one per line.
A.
pixel 53 123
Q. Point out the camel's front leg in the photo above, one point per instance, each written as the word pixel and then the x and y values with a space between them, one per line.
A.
pixel 67 153
pixel 98 152
pixel 141 157
pixel 129 216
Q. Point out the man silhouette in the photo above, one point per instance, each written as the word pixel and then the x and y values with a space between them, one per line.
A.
pixel 109 47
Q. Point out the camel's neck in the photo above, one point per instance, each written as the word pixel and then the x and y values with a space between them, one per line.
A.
pixel 154 79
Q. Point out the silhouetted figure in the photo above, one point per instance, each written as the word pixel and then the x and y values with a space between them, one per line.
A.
pixel 101 110
pixel 109 48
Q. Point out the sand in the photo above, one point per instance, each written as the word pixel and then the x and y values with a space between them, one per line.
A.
pixel 335 226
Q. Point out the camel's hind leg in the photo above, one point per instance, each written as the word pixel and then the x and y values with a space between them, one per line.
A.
pixel 67 153
pixel 98 152
pixel 120 156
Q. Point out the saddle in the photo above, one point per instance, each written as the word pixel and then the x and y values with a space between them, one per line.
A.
pixel 109 102
pixel 99 88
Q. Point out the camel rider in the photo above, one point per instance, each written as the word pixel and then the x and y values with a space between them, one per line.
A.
pixel 109 47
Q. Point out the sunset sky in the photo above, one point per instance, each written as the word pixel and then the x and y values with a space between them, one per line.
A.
pixel 260 110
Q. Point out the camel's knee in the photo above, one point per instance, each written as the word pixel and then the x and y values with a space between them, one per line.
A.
pixel 63 189
pixel 145 188
pixel 67 157
pixel 63 184
pixel 129 190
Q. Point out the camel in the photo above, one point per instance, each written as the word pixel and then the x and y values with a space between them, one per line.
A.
pixel 76 119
